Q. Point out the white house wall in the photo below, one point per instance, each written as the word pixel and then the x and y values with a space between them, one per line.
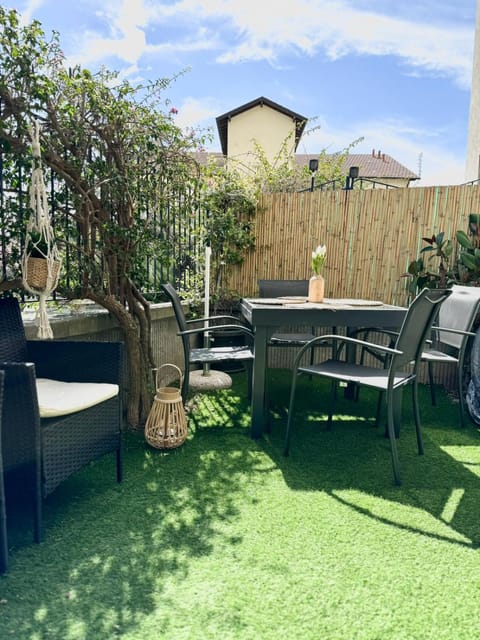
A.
pixel 262 125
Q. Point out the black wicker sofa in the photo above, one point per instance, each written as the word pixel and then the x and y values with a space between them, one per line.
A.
pixel 41 452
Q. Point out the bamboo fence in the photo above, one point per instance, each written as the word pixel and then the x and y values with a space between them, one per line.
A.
pixel 371 237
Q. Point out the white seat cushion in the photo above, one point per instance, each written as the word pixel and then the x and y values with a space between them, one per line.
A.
pixel 57 398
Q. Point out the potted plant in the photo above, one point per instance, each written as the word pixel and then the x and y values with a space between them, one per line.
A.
pixel 41 267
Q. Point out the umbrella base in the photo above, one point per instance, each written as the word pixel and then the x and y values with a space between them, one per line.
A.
pixel 212 380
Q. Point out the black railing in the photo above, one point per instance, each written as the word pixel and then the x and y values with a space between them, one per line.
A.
pixel 176 225
pixel 348 184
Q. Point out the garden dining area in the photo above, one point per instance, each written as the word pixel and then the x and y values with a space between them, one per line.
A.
pixel 225 537
pixel 271 519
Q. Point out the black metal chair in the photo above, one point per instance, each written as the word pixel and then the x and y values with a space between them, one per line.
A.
pixel 451 335
pixel 285 288
pixel 41 452
pixel 401 368
pixel 209 355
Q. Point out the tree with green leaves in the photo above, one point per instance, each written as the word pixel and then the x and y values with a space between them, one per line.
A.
pixel 281 174
pixel 230 202
pixel 116 147
pixel 442 264
pixel 433 267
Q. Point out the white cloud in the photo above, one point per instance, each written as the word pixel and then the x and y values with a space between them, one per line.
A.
pixel 126 21
pixel 197 115
pixel 441 168
pixel 418 150
pixel 241 30
pixel 193 111
pixel 266 31
pixel 193 43
pixel 28 13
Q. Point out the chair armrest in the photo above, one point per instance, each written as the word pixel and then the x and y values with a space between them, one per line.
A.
pixel 21 417
pixel 20 379
pixel 210 318
pixel 341 342
pixel 457 331
pixel 367 330
pixel 220 327
pixel 77 361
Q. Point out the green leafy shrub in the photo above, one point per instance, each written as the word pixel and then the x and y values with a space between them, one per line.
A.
pixel 442 264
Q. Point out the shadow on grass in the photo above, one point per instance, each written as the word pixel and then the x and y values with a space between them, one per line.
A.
pixel 440 493
pixel 115 554
pixel 110 551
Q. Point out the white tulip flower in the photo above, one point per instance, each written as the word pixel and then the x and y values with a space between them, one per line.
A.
pixel 318 259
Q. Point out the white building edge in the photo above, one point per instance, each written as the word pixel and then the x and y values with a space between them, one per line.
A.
pixel 472 170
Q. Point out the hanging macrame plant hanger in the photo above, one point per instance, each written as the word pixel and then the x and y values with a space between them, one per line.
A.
pixel 40 261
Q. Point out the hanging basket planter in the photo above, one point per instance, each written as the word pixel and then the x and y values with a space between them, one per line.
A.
pixel 40 260
pixel 37 273
pixel 166 426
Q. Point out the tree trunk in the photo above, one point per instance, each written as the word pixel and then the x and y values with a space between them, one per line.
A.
pixel 135 325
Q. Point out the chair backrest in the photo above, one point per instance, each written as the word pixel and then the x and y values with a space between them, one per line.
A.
pixel 174 298
pixel 276 288
pixel 458 312
pixel 13 342
pixel 417 324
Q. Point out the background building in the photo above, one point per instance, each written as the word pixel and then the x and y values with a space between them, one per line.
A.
pixel 472 171
pixel 271 126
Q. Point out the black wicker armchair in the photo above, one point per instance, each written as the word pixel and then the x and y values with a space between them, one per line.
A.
pixel 41 452
pixel 3 514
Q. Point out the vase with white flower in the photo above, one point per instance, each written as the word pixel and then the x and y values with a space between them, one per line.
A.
pixel 316 287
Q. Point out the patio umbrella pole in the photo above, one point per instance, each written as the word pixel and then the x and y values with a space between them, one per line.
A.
pixel 206 337
pixel 205 379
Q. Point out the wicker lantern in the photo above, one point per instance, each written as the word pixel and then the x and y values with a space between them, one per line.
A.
pixel 166 426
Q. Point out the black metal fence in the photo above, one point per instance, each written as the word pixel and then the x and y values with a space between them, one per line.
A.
pixel 177 223
pixel 349 183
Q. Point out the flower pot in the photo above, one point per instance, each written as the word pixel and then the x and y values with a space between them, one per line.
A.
pixel 37 273
pixel 316 289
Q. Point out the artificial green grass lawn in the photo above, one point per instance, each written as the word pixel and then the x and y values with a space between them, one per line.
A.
pixel 225 538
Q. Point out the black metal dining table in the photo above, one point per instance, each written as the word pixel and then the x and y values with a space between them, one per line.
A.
pixel 267 315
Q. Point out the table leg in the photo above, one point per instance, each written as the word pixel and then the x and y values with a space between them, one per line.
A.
pixel 258 392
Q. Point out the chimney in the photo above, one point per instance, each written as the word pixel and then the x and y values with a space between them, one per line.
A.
pixel 373 152
pixel 379 154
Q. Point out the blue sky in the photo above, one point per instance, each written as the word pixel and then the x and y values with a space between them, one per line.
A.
pixel 397 74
